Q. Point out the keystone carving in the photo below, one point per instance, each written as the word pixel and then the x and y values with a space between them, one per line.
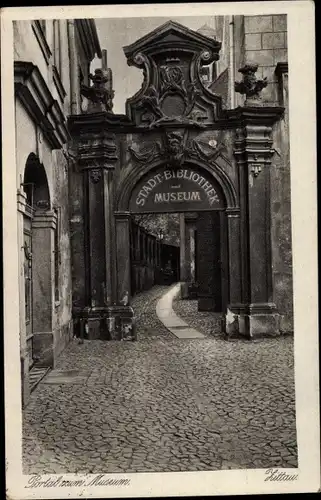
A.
pixel 176 149
pixel 250 86
pixel 100 94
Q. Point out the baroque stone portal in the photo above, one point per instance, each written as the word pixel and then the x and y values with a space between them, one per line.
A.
pixel 176 149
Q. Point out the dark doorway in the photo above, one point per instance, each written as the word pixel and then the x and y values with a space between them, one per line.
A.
pixel 211 258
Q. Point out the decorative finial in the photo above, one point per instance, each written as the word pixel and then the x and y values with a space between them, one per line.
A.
pixel 100 94
pixel 250 86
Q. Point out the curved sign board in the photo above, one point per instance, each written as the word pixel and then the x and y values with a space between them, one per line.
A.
pixel 176 190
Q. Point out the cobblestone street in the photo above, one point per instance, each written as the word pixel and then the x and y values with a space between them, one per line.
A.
pixel 163 404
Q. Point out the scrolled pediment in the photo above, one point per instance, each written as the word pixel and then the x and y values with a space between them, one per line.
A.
pixel 172 90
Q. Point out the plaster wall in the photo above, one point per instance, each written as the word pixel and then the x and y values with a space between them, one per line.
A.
pixel 27 48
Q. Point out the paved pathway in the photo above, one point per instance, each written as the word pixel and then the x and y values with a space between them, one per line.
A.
pixel 170 320
pixel 163 404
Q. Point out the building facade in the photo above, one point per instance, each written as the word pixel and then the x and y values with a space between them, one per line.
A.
pixel 191 121
pixel 83 172
pixel 51 60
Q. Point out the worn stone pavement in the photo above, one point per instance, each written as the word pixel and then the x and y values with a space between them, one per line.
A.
pixel 163 404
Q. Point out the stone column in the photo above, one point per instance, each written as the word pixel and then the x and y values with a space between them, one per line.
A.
pixel 183 277
pixel 121 315
pixel 110 278
pixel 234 257
pixel 235 297
pixel 101 289
pixel 43 227
pixel 123 256
pixel 96 238
pixel 190 224
pixel 192 253
pixel 97 155
pixel 254 153
pixel 137 265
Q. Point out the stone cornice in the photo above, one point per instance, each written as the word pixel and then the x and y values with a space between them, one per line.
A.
pixel 97 151
pixel 231 119
pixel 96 122
pixel 162 37
pixel 45 220
pixel 256 115
pixel 34 94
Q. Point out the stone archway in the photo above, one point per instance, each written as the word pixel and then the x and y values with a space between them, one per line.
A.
pixel 172 119
pixel 39 227
pixel 191 187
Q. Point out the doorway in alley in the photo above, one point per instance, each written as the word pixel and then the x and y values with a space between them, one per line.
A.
pixel 178 234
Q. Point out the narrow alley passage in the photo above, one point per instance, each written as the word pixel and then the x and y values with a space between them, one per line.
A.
pixel 163 404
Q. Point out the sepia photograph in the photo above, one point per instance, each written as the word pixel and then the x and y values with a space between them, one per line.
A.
pixel 155 272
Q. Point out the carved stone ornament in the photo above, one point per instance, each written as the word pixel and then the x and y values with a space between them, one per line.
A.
pixel 100 94
pixel 250 86
pixel 146 154
pixel 172 91
pixel 43 204
pixel 95 175
pixel 256 169
pixel 205 150
pixel 177 148
pixel 159 104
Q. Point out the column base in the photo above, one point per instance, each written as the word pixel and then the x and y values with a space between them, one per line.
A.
pixel 115 322
pixel 252 320
pixel 189 290
pixel 121 323
pixel 43 349
pixel 184 290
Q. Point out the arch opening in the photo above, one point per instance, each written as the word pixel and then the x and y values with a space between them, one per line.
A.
pixel 199 194
pixel 35 183
pixel 215 189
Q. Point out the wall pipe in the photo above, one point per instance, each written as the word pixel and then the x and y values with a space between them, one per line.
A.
pixel 74 83
pixel 231 62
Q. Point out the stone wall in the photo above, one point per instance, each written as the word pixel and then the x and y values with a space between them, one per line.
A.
pixel 281 216
pixel 265 42
pixel 63 303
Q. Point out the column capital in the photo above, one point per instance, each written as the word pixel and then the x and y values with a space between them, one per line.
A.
pixel 233 212
pixel 123 216
pixel 254 147
pixel 97 150
pixel 22 201
pixel 45 220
